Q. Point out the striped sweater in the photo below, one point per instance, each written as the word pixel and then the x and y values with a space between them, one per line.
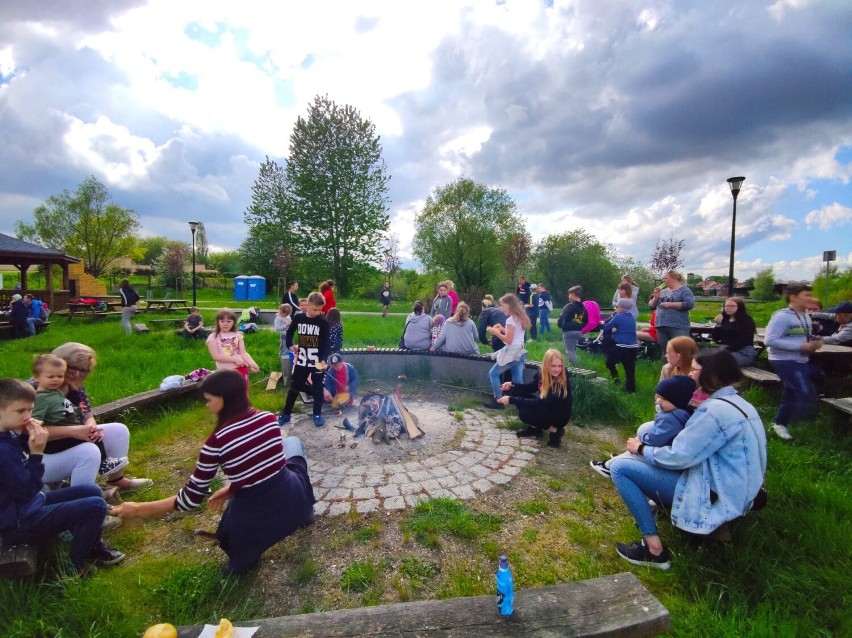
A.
pixel 249 451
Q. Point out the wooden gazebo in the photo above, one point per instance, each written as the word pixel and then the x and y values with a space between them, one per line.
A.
pixel 22 254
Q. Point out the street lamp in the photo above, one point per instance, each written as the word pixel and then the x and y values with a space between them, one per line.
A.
pixel 193 226
pixel 735 183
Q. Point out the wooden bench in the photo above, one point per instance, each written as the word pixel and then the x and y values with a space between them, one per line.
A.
pixel 17 560
pixel 760 375
pixel 103 314
pixel 141 328
pixel 151 397
pixel 844 405
pixel 616 605
pixel 7 327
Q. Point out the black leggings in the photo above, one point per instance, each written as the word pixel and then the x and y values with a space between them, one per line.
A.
pixel 627 358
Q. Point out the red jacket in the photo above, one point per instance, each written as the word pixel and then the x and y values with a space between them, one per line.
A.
pixel 330 301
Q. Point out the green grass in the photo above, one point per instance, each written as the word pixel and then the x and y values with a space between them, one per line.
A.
pixel 786 573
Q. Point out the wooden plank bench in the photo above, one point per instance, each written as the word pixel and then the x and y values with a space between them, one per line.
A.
pixel 151 397
pixel 141 328
pixel 17 560
pixel 760 375
pixel 844 405
pixel 616 605
pixel 7 327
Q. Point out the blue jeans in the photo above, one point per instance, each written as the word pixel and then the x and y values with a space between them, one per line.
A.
pixel 544 316
pixel 31 324
pixel 517 369
pixel 799 394
pixel 636 482
pixel 79 509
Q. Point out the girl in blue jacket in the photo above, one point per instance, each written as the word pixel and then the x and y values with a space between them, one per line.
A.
pixel 622 327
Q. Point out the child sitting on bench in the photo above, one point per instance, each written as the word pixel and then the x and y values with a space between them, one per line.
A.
pixel 29 515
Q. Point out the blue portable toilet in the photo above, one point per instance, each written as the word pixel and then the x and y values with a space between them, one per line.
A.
pixel 241 288
pixel 256 288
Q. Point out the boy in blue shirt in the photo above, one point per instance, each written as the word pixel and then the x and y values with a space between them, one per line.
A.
pixel 28 514
pixel 622 327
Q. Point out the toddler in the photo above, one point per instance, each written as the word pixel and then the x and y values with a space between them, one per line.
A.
pixel 671 402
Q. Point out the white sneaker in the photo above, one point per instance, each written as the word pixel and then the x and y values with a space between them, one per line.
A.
pixel 781 432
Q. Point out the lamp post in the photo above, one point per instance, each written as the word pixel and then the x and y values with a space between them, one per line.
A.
pixel 735 183
pixel 193 226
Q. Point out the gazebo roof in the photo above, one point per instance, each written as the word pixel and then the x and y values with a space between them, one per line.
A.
pixel 14 251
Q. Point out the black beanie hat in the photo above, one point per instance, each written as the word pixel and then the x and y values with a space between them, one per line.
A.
pixel 676 389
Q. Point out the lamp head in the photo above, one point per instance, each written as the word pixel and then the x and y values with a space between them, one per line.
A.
pixel 193 226
pixel 735 183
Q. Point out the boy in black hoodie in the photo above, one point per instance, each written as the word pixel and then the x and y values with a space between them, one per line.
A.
pixel 572 320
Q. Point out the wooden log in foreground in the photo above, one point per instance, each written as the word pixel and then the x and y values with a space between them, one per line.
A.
pixel 611 606
pixel 151 397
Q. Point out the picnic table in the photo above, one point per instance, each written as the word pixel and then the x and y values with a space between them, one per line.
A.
pixel 167 305
pixel 85 309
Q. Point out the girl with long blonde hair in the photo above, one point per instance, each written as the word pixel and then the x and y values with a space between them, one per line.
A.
pixel 545 403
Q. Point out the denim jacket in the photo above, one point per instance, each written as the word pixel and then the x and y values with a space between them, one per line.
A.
pixel 723 458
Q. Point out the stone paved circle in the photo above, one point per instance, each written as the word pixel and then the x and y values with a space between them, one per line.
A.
pixel 485 456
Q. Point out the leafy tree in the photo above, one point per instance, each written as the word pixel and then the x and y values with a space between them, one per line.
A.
pixel 227 262
pixel 839 286
pixel 666 255
pixel 576 258
pixel 152 249
pixel 641 274
pixel 518 249
pixel 259 250
pixel 336 188
pixel 463 228
pixel 172 265
pixel 85 224
pixel 764 285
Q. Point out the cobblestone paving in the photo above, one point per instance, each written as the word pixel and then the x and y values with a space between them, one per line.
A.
pixel 487 456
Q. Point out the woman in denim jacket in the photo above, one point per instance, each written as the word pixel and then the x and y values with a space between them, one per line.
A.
pixel 711 472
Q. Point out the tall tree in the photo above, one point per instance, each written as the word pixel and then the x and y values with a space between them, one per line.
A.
pixel 86 225
pixel 666 255
pixel 152 248
pixel 390 261
pixel 463 229
pixel 576 258
pixel 201 247
pixel 172 264
pixel 518 249
pixel 336 187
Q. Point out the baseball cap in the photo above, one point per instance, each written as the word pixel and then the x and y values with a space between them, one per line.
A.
pixel 844 307
pixel 335 358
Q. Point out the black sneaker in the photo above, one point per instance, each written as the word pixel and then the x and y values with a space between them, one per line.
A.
pixel 492 404
pixel 639 554
pixel 103 554
pixel 601 468
pixel 528 432
pixel 111 465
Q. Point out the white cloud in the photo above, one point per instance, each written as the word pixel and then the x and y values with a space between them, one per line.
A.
pixel 829 216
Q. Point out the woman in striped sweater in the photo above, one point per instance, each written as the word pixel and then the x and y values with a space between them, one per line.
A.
pixel 269 494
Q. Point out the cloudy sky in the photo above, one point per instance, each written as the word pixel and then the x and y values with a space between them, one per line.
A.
pixel 623 118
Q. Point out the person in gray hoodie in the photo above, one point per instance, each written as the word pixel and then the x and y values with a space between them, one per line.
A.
pixel 790 339
pixel 417 334
pixel 459 334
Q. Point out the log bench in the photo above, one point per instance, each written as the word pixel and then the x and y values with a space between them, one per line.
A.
pixel 760 375
pixel 616 605
pixel 17 560
pixel 151 397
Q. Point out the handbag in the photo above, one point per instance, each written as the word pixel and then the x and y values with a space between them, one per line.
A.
pixel 401 344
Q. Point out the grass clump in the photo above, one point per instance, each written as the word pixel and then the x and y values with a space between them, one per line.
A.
pixel 358 576
pixel 437 516
pixel 531 508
